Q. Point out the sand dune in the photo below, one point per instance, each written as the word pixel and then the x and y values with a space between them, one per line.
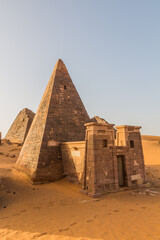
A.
pixel 59 211
pixel 151 149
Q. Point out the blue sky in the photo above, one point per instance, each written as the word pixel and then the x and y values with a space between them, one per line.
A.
pixel 111 50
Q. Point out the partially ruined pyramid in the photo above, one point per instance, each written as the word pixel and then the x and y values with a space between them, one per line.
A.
pixel 20 127
pixel 60 117
pixel 98 120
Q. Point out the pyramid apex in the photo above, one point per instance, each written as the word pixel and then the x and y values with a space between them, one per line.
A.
pixel 59 64
pixel 60 68
pixel 60 61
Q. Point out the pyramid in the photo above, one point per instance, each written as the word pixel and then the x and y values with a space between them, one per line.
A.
pixel 98 120
pixel 20 127
pixel 60 117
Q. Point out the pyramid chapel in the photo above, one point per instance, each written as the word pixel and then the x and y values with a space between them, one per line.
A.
pixel 63 141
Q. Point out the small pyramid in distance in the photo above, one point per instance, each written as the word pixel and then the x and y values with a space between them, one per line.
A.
pixel 60 117
pixel 20 127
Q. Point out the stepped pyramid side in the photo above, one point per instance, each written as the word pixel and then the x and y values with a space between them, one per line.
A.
pixel 60 117
pixel 20 127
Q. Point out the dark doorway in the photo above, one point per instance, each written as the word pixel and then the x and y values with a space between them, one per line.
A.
pixel 122 178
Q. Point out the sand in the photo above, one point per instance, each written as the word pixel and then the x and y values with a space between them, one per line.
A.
pixel 151 148
pixel 59 211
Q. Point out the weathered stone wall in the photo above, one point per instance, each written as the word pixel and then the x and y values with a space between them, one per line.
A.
pixel 136 159
pixel 99 166
pixel 132 139
pixel 60 117
pixel 20 127
pixel 73 155
pixel 101 170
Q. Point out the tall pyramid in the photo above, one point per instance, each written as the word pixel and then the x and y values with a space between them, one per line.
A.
pixel 20 127
pixel 60 117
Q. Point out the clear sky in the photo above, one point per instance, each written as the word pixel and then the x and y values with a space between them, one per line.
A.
pixel 111 49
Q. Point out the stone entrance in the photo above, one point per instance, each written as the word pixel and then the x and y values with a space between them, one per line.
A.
pixel 121 170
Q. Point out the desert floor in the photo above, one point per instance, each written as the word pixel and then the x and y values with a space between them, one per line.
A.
pixel 59 211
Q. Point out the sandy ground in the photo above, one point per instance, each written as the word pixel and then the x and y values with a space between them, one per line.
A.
pixel 59 211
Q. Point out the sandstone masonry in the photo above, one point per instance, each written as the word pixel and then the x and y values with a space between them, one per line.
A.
pixel 60 117
pixel 20 127
pixel 64 141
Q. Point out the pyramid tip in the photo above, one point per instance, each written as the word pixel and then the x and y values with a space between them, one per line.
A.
pixel 60 66
pixel 59 63
pixel 59 60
